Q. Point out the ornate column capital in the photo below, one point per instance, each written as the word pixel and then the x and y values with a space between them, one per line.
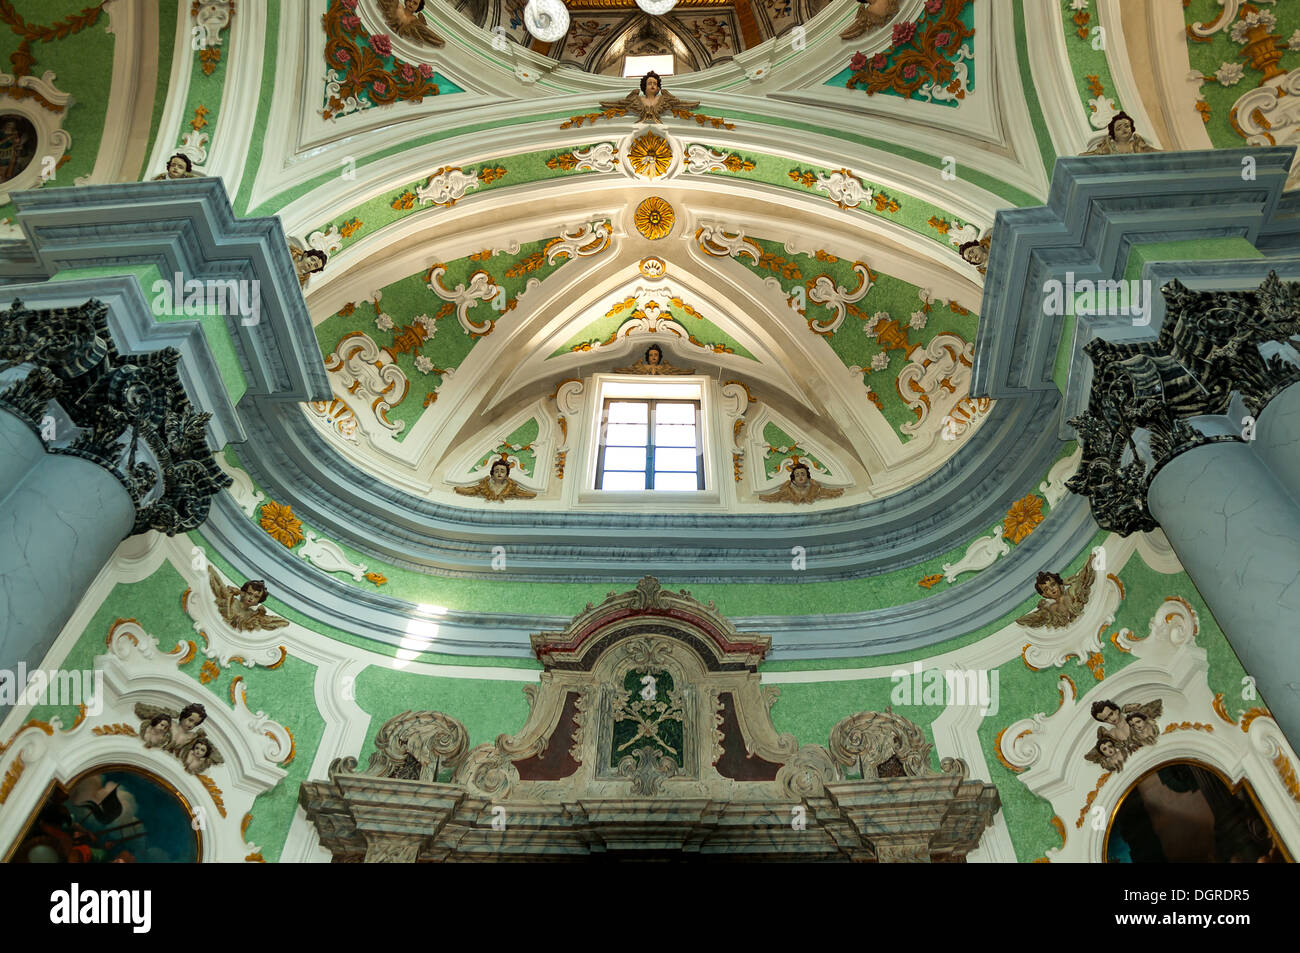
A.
pixel 1212 345
pixel 112 410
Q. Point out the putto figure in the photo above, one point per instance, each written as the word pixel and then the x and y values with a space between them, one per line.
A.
pixel 1123 731
pixel 653 363
pixel 178 734
pixel 404 18
pixel 1063 599
pixel 1121 139
pixel 801 488
pixel 977 253
pixel 651 102
pixel 242 607
pixel 307 262
pixel 871 14
pixel 179 166
pixel 497 485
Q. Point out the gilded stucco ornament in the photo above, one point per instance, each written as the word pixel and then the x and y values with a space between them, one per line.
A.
pixel 654 218
pixel 650 155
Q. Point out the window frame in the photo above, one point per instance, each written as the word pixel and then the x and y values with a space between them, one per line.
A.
pixel 652 404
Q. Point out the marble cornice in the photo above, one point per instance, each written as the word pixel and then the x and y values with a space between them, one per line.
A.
pixel 1099 209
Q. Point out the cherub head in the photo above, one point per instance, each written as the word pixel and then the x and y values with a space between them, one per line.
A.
pixel 1121 127
pixel 658 355
pixel 201 750
pixel 651 84
pixel 159 730
pixel 1107 749
pixel 975 253
pixel 192 716
pixel 1137 720
pixel 178 166
pixel 414 6
pixel 800 475
pixel 500 470
pixel 252 593
pixel 1106 711
pixel 312 261
pixel 1050 586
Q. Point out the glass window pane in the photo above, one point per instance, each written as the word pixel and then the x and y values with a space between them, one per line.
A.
pixel 627 412
pixel 675 414
pixel 674 435
pixel 676 481
pixel 625 458
pixel 623 481
pixel 626 435
pixel 675 458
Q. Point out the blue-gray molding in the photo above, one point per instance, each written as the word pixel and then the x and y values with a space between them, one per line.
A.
pixel 184 226
pixel 1099 208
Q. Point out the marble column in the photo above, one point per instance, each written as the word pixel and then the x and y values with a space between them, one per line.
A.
pixel 1237 533
pixel 20 450
pixel 1277 439
pixel 59 527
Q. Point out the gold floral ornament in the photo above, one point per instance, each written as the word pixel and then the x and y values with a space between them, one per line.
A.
pixel 279 521
pixel 650 155
pixel 1024 515
pixel 654 218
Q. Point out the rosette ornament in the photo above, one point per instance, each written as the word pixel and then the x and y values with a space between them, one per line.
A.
pixel 548 20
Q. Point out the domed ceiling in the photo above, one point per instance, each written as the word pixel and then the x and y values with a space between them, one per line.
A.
pixel 509 224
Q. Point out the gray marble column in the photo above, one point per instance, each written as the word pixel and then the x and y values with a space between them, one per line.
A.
pixel 1277 439
pixel 1236 531
pixel 58 528
pixel 20 450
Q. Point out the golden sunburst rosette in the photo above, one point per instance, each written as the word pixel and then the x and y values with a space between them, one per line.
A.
pixel 654 218
pixel 650 155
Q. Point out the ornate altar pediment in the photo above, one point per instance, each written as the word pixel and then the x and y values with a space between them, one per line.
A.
pixel 649 732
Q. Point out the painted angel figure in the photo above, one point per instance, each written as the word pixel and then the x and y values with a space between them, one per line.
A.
pixel 404 18
pixel 871 14
pixel 497 485
pixel 1107 753
pixel 155 725
pixel 199 755
pixel 1063 599
pixel 653 363
pixel 801 488
pixel 977 252
pixel 241 606
pixel 1121 139
pixel 307 262
pixel 1131 726
pixel 651 101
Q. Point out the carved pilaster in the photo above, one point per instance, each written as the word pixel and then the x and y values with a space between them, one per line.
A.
pixel 392 848
pixel 1211 346
pixel 117 402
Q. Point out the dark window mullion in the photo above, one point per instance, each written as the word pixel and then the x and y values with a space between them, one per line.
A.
pixel 651 417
